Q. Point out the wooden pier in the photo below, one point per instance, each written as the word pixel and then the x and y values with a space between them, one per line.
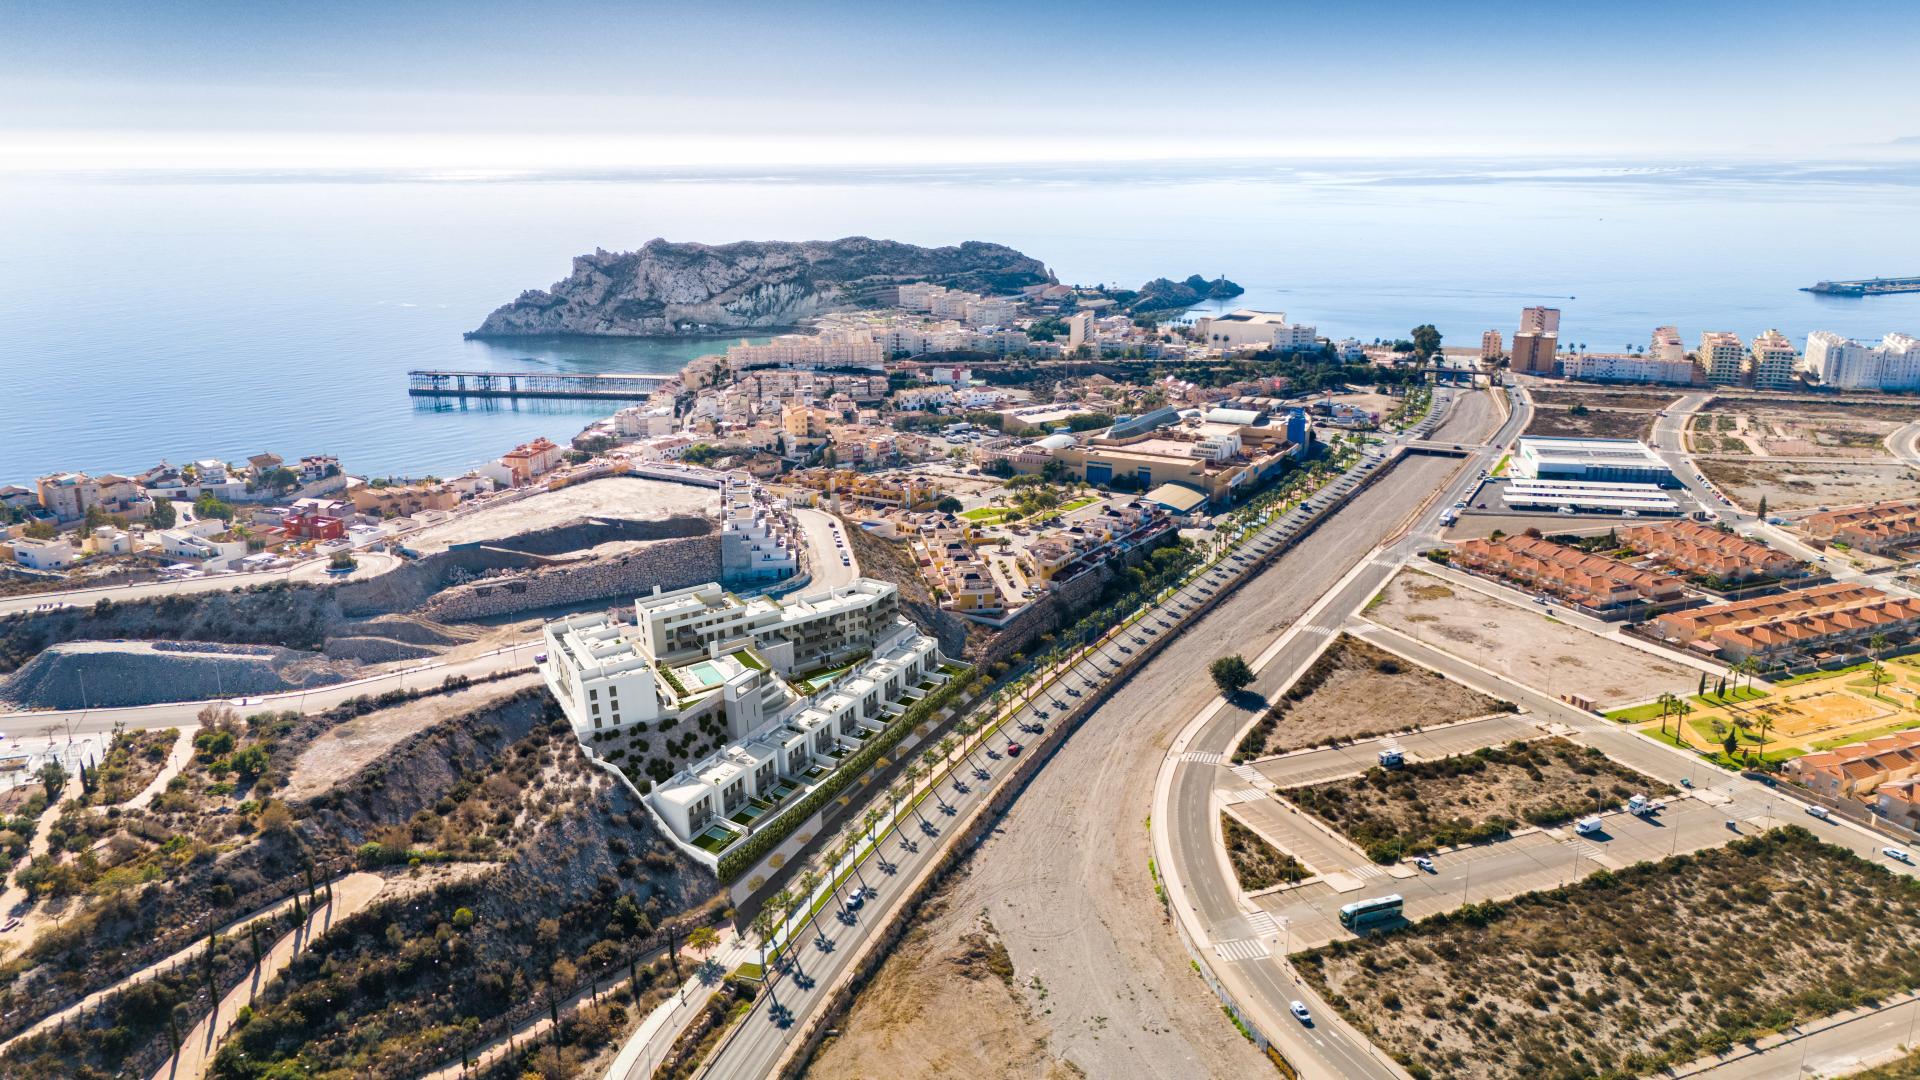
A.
pixel 612 386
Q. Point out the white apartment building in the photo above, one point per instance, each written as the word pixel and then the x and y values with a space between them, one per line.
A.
pixel 641 421
pixel 1772 362
pixel 1845 364
pixel 1631 369
pixel 1722 357
pixel 990 312
pixel 758 540
pixel 1246 328
pixel 1666 345
pixel 1079 329
pixel 835 348
pixel 706 655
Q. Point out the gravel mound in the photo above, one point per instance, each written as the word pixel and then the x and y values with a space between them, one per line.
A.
pixel 89 674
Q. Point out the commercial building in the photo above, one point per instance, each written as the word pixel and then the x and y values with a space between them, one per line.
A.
pixel 1845 364
pixel 1623 461
pixel 1577 576
pixel 1881 527
pixel 1814 624
pixel 1246 328
pixel 1588 496
pixel 1772 362
pixel 1696 548
pixel 1722 357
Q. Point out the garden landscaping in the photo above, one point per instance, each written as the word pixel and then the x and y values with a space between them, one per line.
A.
pixel 1470 798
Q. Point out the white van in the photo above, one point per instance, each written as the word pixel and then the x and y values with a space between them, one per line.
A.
pixel 1587 826
pixel 1568 510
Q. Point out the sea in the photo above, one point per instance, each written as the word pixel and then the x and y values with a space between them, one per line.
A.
pixel 173 316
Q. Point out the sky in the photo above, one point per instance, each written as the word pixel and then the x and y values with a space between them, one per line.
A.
pixel 486 85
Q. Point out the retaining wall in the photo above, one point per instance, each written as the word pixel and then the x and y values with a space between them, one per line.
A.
pixel 670 564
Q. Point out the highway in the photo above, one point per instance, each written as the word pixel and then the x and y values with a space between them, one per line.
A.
pixel 755 1047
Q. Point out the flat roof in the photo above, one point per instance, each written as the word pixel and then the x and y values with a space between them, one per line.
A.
pixel 1177 496
pixel 1595 451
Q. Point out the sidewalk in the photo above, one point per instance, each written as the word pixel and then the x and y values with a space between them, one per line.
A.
pixel 656 1035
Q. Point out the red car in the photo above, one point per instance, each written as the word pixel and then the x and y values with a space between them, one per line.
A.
pixel 1013 749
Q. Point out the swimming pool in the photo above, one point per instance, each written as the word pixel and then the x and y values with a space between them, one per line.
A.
pixel 708 673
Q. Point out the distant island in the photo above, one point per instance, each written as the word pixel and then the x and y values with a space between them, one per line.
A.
pixel 668 289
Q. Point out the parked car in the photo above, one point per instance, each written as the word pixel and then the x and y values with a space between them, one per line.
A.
pixel 1300 1013
pixel 1820 812
pixel 1425 863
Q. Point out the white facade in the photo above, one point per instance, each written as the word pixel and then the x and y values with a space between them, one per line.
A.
pixel 56 554
pixel 1845 364
pixel 1249 329
pixel 1772 362
pixel 1539 457
pixel 1631 369
pixel 1666 345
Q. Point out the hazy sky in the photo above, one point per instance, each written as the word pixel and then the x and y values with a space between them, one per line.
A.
pixel 485 84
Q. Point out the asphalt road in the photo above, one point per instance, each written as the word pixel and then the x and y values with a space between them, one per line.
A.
pixel 757 1044
pixel 312 570
pixel 1263 985
pixel 820 529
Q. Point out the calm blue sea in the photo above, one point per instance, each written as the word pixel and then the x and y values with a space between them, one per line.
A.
pixel 225 315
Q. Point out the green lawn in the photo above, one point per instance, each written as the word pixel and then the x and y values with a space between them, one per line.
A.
pixel 1084 500
pixel 990 515
pixel 1735 695
pixel 715 840
pixel 1634 714
pixel 1795 680
pixel 1870 733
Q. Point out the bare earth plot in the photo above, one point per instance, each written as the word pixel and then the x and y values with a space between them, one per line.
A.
pixel 1795 430
pixel 343 750
pixel 1639 400
pixel 1356 690
pixel 1524 645
pixel 1469 798
pixel 616 496
pixel 1797 485
pixel 1594 423
pixel 1632 970
pixel 994 1031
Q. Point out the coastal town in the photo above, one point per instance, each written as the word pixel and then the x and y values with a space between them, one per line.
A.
pixel 777 634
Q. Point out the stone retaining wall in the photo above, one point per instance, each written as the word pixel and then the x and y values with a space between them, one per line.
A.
pixel 670 564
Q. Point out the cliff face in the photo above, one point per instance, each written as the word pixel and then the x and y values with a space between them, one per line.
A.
pixel 665 288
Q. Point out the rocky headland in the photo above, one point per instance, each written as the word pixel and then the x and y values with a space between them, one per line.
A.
pixel 667 289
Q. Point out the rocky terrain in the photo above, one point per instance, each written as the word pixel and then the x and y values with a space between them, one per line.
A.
pixel 669 288
pixel 83 674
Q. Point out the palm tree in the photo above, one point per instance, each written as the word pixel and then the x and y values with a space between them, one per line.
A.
pixel 782 902
pixel 763 929
pixel 1876 645
pixel 809 881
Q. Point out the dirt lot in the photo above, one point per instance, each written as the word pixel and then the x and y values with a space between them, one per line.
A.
pixel 1791 431
pixel 1527 646
pixel 906 1021
pixel 616 496
pixel 1357 691
pixel 1636 969
pixel 1611 399
pixel 1803 485
pixel 1595 423
pixel 1893 413
pixel 1256 864
pixel 1393 813
pixel 343 750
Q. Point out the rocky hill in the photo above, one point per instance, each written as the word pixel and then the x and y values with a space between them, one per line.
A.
pixel 665 289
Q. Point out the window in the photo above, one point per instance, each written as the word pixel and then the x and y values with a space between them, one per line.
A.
pixel 593 695
pixel 596 710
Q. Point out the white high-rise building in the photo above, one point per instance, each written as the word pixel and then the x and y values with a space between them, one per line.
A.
pixel 1722 356
pixel 1666 344
pixel 1771 362
pixel 1845 364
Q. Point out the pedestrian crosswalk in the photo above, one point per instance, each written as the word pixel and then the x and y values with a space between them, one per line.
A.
pixel 1323 631
pixel 1203 757
pixel 1252 794
pixel 1244 949
pixel 1248 773
pixel 1263 924
pixel 1368 871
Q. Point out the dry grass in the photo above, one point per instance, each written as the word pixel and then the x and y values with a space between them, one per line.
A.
pixel 1596 423
pixel 1632 970
pixel 1608 399
pixel 1256 863
pixel 1356 691
pixel 1470 798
